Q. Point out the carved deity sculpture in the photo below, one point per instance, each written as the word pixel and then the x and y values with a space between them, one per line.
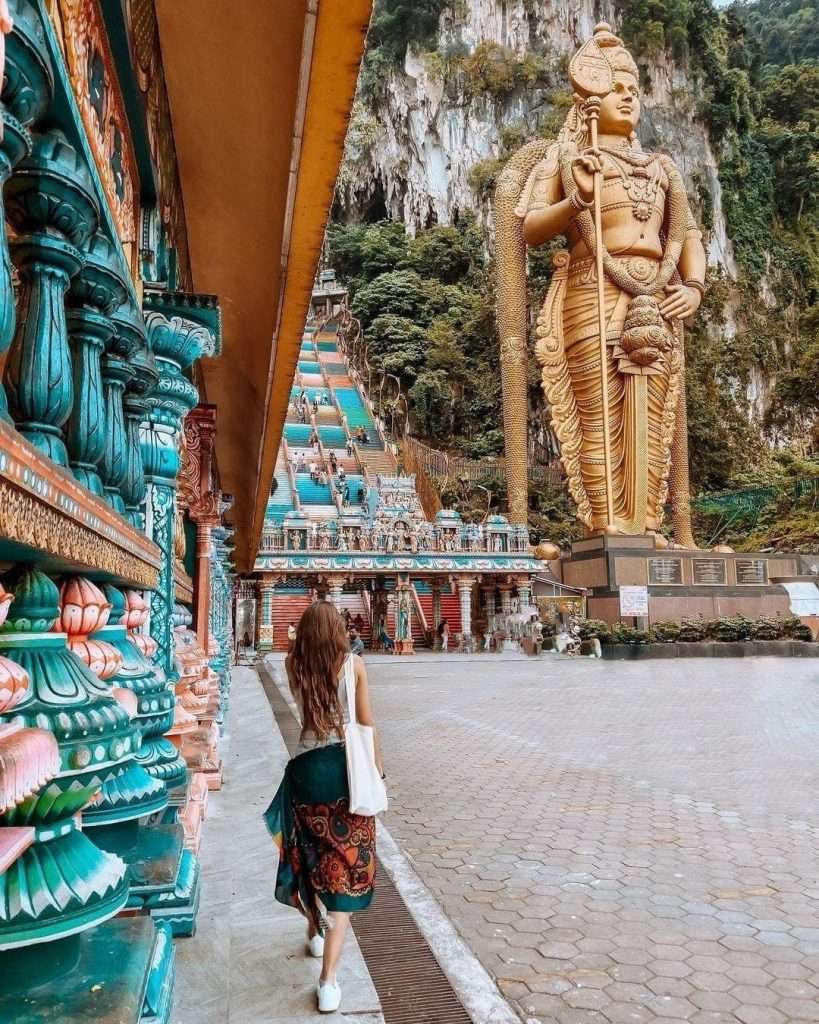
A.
pixel 626 211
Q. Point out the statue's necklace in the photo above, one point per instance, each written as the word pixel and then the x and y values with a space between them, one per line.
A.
pixel 640 182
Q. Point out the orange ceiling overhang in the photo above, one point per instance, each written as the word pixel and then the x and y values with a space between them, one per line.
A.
pixel 257 88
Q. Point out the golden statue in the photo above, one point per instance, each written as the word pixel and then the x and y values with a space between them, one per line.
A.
pixel 634 271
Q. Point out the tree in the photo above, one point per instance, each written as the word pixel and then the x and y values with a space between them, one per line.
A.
pixel 402 293
pixel 397 345
pixel 445 253
pixel 432 401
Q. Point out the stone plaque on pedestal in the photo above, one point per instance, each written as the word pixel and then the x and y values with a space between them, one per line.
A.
pixel 751 571
pixel 709 571
pixel 682 582
pixel 665 571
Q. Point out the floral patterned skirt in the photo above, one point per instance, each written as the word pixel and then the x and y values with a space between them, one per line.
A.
pixel 326 854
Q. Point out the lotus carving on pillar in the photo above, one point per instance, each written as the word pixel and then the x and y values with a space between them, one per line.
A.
pixel 83 610
pixel 13 678
pixel 136 615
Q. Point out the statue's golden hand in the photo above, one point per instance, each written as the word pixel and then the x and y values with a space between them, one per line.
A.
pixel 680 302
pixel 584 168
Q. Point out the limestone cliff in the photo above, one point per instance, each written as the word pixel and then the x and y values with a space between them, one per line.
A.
pixel 422 131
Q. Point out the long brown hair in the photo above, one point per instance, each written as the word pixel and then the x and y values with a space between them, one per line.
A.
pixel 314 667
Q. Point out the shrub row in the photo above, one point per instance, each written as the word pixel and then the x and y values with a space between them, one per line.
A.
pixel 727 629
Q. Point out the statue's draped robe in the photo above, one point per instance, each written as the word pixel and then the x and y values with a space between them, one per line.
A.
pixel 642 400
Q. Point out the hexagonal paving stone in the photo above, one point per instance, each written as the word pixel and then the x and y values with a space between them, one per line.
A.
pixel 558 950
pixel 759 1015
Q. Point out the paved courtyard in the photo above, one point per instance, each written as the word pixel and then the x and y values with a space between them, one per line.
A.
pixel 617 842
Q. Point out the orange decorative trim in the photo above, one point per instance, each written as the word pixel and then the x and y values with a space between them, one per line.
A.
pixel 96 88
pixel 44 508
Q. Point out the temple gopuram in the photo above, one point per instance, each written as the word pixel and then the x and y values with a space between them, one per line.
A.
pixel 146 372
pixel 344 525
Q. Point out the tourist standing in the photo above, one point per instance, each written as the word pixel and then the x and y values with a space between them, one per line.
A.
pixel 327 854
pixel 356 643
pixel 443 633
pixel 384 638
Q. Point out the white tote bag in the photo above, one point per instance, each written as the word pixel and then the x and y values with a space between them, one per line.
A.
pixel 367 793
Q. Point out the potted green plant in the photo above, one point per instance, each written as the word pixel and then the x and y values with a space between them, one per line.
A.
pixel 732 633
pixel 794 629
pixel 626 642
pixel 691 640
pixel 665 632
pixel 593 634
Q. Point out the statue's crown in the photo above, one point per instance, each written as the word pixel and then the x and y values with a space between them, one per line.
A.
pixel 592 69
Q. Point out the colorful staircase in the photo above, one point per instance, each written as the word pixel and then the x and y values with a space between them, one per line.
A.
pixel 288 606
pixel 312 493
pixel 354 603
pixel 450 605
pixel 280 501
pixel 350 403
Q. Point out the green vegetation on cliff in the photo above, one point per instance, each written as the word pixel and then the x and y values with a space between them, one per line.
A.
pixel 427 309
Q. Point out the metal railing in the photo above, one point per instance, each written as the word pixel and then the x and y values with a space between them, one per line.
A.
pixel 440 464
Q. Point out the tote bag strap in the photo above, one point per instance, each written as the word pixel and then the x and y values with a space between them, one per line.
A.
pixel 349 686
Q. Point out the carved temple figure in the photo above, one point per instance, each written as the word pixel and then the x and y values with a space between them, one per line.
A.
pixel 403 620
pixel 596 183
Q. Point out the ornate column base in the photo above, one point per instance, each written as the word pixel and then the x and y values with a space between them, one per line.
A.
pixel 131 958
pixel 404 647
pixel 179 909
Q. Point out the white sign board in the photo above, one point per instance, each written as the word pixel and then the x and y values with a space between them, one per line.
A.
pixel 634 600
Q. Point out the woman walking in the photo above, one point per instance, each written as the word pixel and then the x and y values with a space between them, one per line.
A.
pixel 326 853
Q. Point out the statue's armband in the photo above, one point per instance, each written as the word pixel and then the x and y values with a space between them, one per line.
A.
pixel 691 229
pixel 542 187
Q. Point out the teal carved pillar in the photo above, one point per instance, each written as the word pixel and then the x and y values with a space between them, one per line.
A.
pixel 15 144
pixel 155 700
pixel 176 343
pixel 27 88
pixel 116 373
pixel 84 612
pixel 130 343
pixel 50 201
pixel 221 604
pixel 135 405
pixel 94 294
pixel 63 883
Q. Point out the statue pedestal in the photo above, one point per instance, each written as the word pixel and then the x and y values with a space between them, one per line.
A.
pixel 682 583
pixel 404 647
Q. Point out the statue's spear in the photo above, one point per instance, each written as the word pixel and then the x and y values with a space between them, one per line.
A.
pixel 593 114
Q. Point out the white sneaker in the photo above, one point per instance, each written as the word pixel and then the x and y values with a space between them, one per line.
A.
pixel 329 996
pixel 315 946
